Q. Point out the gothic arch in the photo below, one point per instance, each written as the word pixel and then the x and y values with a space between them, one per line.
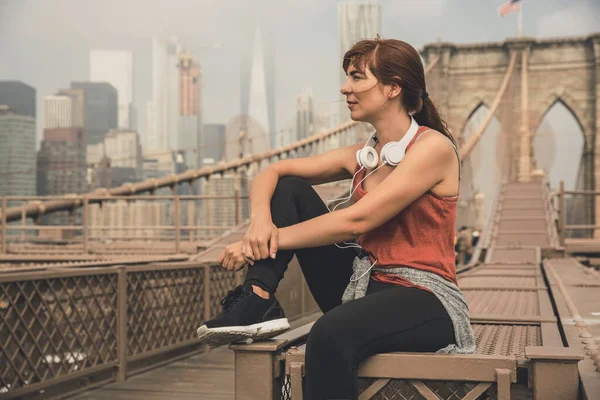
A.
pixel 563 97
pixel 472 106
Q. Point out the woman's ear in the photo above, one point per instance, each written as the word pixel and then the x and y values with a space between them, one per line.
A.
pixel 395 90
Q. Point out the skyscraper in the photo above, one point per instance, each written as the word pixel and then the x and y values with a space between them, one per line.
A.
pixel 116 67
pixel 258 79
pixel 124 149
pixel 100 109
pixel 61 162
pixel 213 143
pixel 19 97
pixel 326 117
pixel 17 141
pixel 124 153
pixel 17 138
pixel 17 153
pixel 190 108
pixel 165 93
pixel 151 135
pixel 77 97
pixel 58 112
pixel 357 20
pixel 245 136
pixel 305 120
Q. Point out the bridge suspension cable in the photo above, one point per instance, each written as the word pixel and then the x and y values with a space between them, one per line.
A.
pixel 432 64
pixel 466 149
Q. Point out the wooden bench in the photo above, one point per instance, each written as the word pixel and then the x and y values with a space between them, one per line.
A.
pixel 520 352
pixel 511 363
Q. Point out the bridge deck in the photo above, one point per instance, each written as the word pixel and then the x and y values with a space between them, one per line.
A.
pixel 576 290
pixel 205 376
pixel 510 304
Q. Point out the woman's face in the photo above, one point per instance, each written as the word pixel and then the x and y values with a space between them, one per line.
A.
pixel 365 96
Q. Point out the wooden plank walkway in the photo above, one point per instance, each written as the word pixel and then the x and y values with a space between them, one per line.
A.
pixel 576 290
pixel 206 376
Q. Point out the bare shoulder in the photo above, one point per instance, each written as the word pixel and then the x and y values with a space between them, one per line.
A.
pixel 435 143
pixel 434 149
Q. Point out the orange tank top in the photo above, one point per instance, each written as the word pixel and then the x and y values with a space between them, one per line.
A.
pixel 421 236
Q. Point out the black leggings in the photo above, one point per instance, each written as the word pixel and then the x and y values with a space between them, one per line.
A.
pixel 390 318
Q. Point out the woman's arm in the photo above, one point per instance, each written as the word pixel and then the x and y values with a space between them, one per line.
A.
pixel 424 166
pixel 330 166
pixel 261 191
pixel 261 240
pixel 325 229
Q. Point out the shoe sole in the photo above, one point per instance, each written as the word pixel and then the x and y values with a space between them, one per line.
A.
pixel 232 334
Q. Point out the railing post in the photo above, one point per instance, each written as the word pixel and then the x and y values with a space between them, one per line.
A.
pixel 176 213
pixel 101 211
pixel 86 217
pixel 4 242
pixel 130 232
pixel 561 213
pixel 23 221
pixel 191 213
pixel 67 232
pixel 122 324
pixel 554 372
pixel 237 204
pixel 207 285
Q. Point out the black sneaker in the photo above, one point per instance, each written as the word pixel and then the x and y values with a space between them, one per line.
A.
pixel 245 317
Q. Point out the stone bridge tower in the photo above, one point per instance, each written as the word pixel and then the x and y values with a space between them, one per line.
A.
pixel 547 71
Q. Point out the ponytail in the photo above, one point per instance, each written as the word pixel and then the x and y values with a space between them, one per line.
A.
pixel 428 115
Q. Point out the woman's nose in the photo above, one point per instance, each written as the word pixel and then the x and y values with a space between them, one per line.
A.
pixel 345 89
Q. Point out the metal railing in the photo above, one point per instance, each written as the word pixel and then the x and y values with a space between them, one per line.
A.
pixel 173 218
pixel 562 226
pixel 181 223
pixel 346 134
pixel 62 330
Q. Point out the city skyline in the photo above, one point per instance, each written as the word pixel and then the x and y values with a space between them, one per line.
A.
pixel 116 68
pixel 176 105
pixel 297 46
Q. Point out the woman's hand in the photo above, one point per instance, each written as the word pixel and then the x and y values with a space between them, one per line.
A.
pixel 260 241
pixel 232 258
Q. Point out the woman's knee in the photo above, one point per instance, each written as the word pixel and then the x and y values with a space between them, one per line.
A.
pixel 288 185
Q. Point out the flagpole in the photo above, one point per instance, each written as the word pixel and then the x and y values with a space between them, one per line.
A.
pixel 520 21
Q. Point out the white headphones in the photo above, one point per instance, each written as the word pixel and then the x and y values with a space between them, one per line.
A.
pixel 391 154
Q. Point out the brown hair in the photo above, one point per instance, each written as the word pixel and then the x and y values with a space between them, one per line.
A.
pixel 395 61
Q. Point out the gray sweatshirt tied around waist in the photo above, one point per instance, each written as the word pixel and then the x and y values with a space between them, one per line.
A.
pixel 447 292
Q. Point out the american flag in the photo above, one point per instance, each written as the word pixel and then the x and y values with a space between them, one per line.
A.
pixel 508 7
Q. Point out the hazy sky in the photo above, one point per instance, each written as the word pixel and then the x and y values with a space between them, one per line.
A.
pixel 46 43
